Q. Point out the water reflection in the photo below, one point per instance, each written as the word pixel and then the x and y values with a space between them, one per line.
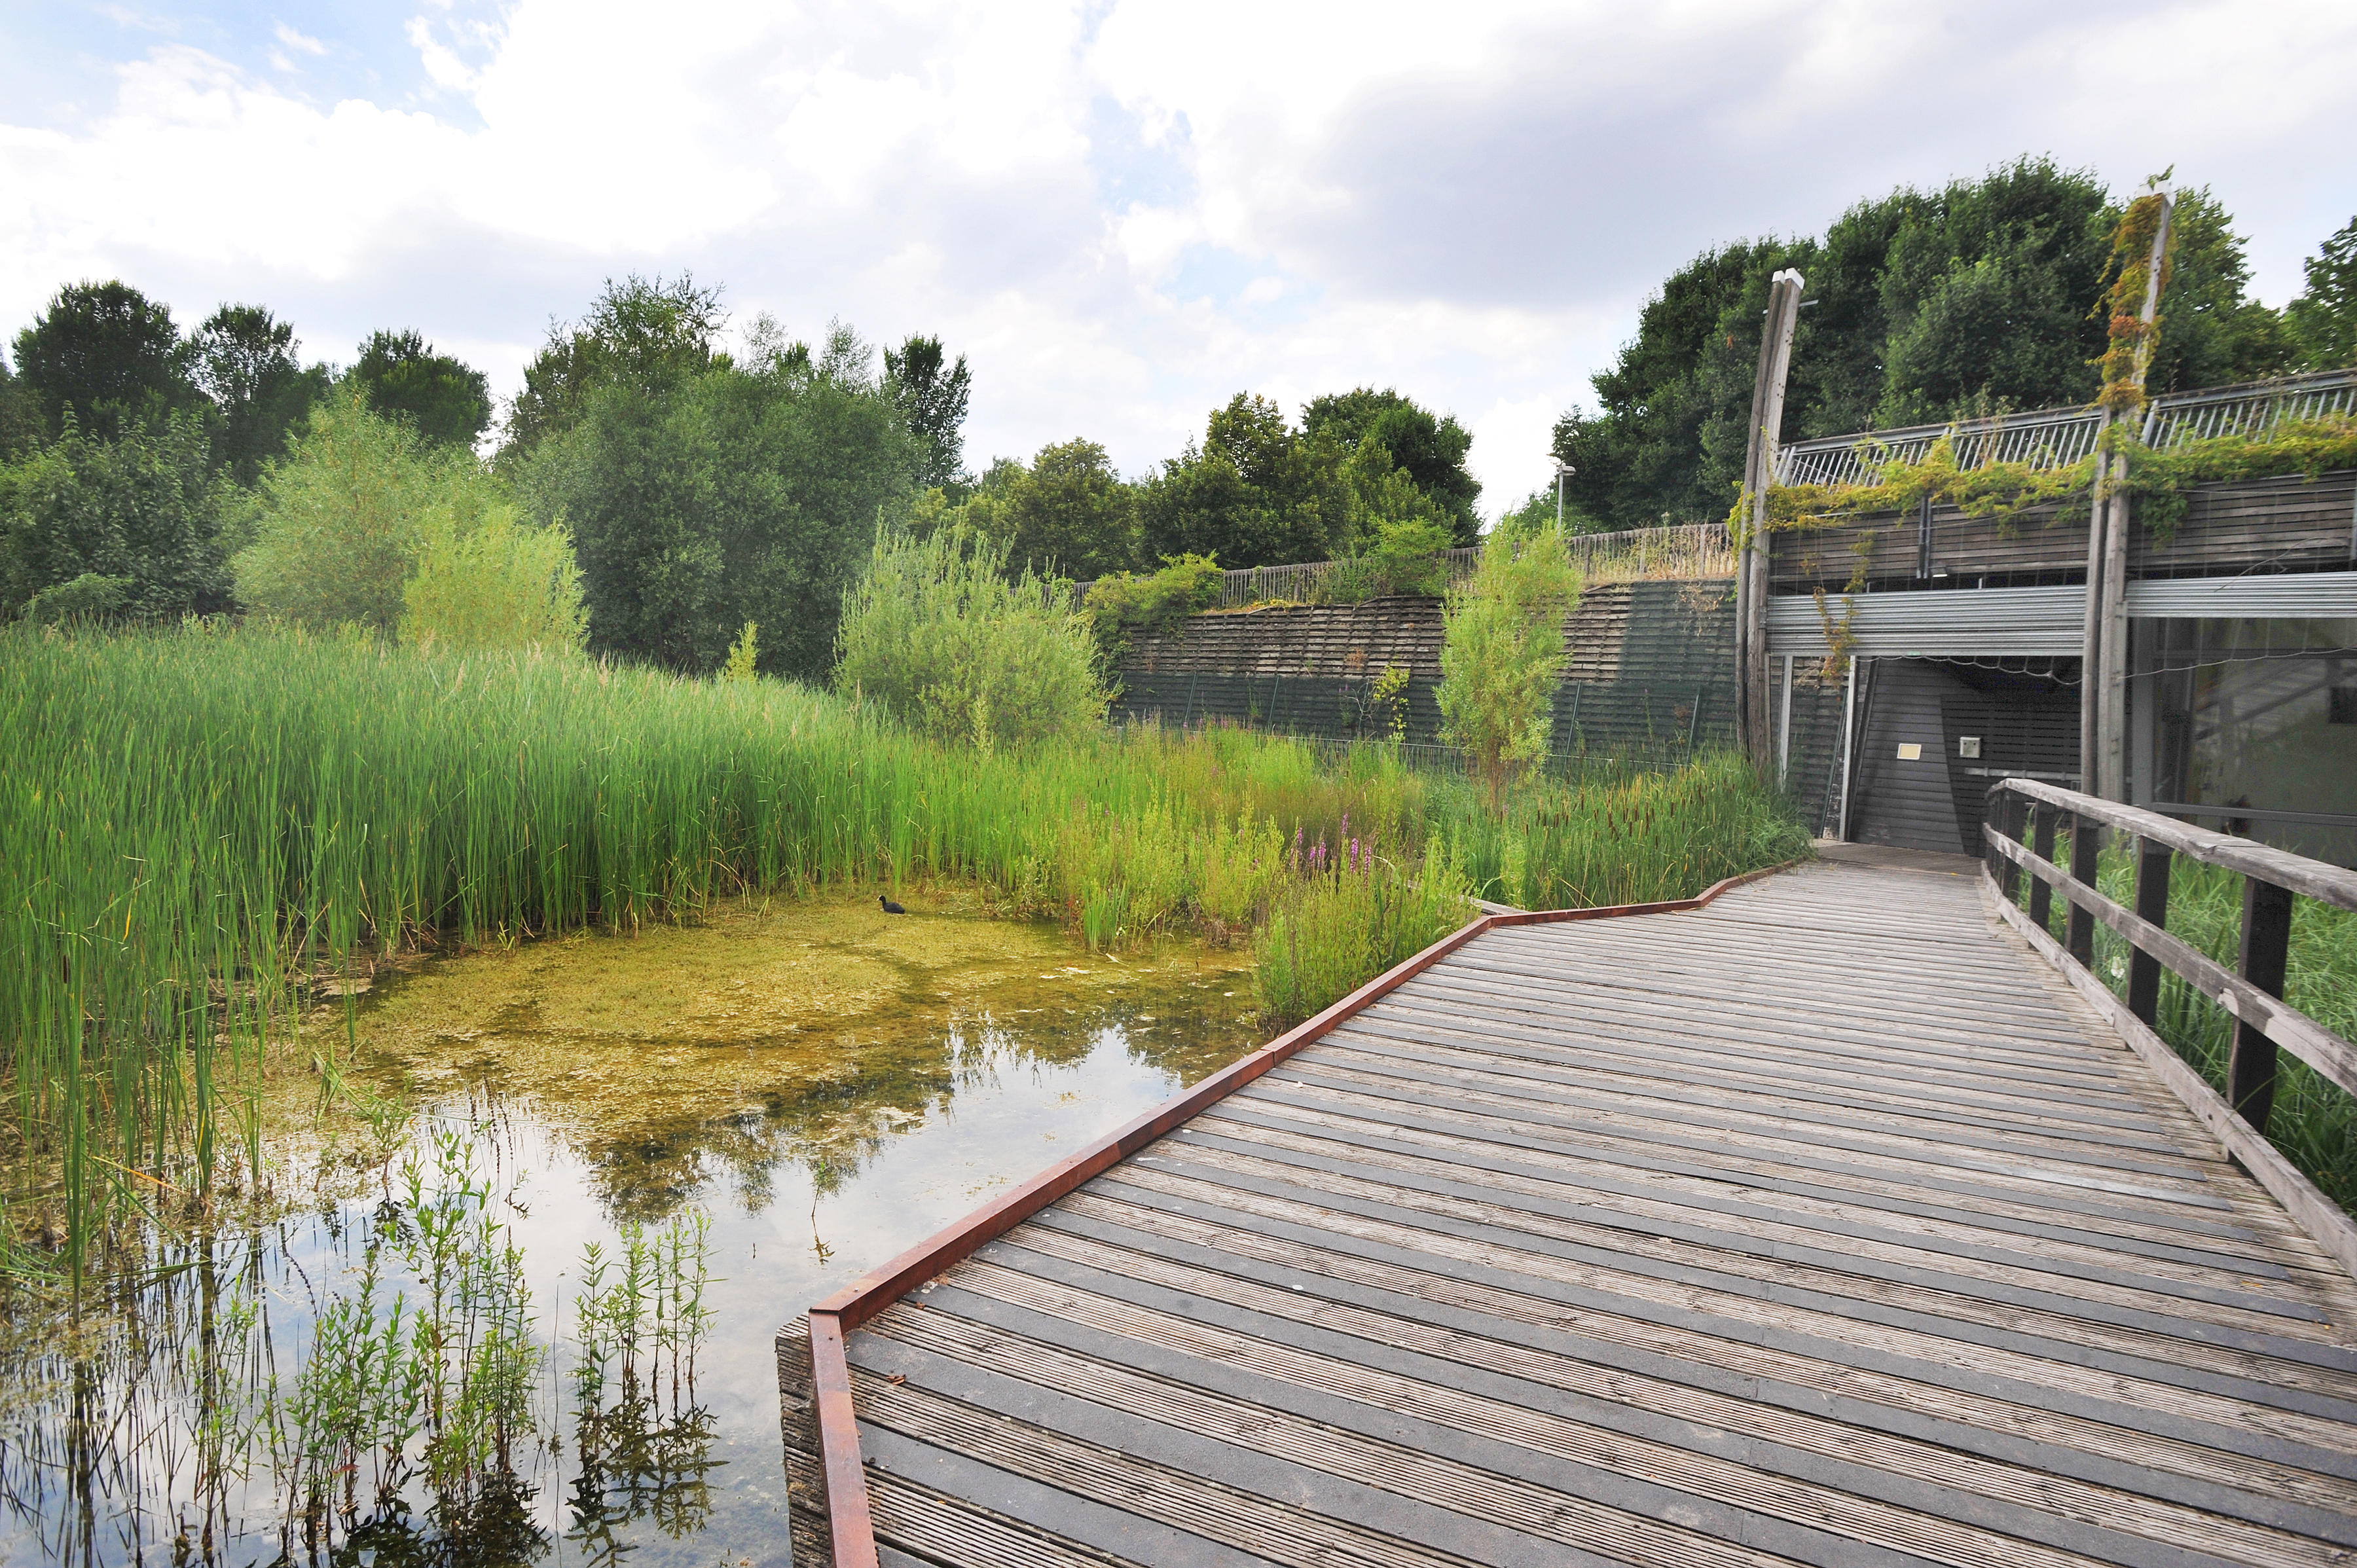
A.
pixel 820 1091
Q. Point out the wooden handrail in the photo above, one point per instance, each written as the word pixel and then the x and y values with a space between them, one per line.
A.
pixel 2264 1021
pixel 2326 883
pixel 2018 832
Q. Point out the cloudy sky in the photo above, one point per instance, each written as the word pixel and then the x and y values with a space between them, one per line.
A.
pixel 1122 213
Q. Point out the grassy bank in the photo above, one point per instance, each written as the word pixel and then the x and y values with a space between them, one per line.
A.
pixel 195 824
pixel 2314 1122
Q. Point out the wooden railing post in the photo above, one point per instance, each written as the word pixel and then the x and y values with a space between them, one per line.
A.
pixel 2267 947
pixel 2079 926
pixel 2005 814
pixel 2151 904
pixel 2042 892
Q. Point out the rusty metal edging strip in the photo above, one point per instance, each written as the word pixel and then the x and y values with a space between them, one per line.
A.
pixel 850 1526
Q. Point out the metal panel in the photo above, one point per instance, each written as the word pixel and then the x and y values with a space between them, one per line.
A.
pixel 2316 596
pixel 1940 622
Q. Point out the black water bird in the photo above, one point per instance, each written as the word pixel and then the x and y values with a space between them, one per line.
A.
pixel 889 906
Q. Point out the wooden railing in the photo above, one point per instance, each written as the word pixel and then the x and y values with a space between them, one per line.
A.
pixel 2019 831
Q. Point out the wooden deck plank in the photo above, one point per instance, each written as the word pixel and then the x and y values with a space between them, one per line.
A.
pixel 1821 1225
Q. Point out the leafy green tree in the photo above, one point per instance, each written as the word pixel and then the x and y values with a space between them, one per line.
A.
pixel 952 640
pixel 245 361
pixel 342 523
pixel 141 512
pixel 733 495
pixel 110 353
pixel 1068 513
pixel 1922 305
pixel 931 396
pixel 641 333
pixel 1430 450
pixel 20 415
pixel 2323 319
pixel 447 400
pixel 1988 291
pixel 1254 493
pixel 2211 331
pixel 1500 654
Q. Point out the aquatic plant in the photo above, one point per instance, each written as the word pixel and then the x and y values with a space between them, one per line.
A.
pixel 199 827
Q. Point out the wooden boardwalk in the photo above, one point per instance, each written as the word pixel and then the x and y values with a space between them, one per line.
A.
pixel 1824 1225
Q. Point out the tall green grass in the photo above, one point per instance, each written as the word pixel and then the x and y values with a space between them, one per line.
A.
pixel 2314 1122
pixel 195 823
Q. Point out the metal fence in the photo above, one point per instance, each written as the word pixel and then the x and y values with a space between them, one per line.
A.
pixel 1679 550
pixel 2058 437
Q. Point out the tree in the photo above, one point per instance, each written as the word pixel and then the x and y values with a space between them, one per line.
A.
pixel 1068 513
pixel 20 415
pixel 2323 319
pixel 952 641
pixel 1500 653
pixel 734 495
pixel 110 353
pixel 1253 494
pixel 641 333
pixel 245 360
pixel 447 401
pixel 1988 289
pixel 2211 331
pixel 1923 305
pixel 1429 451
pixel 933 402
pixel 342 522
pixel 141 512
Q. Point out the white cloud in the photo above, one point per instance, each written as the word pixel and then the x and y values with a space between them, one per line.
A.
pixel 1124 216
pixel 300 41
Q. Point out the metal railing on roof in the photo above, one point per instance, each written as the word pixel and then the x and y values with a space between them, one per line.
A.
pixel 2058 437
pixel 1679 550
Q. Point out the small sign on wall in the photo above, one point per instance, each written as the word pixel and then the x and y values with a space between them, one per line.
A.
pixel 1911 751
pixel 1968 745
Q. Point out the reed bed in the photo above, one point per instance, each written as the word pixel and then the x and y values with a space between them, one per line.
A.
pixel 197 825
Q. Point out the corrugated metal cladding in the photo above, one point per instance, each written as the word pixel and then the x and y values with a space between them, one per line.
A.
pixel 2042 620
pixel 2312 596
pixel 1967 620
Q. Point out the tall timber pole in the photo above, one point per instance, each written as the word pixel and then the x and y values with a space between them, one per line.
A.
pixel 1782 316
pixel 2112 707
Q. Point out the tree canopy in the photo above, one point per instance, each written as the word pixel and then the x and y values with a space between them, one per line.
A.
pixel 246 360
pixel 111 354
pixel 1976 298
pixel 931 395
pixel 2323 319
pixel 642 333
pixel 447 401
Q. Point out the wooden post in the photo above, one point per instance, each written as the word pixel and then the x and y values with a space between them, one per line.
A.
pixel 2109 770
pixel 2266 947
pixel 1784 730
pixel 1759 473
pixel 2151 904
pixel 2079 925
pixel 2042 892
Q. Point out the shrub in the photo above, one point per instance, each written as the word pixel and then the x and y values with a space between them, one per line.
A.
pixel 1123 604
pixel 1499 652
pixel 498 585
pixel 949 643
pixel 347 517
pixel 142 511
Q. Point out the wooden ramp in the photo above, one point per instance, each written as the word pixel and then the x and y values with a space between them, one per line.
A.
pixel 1824 1225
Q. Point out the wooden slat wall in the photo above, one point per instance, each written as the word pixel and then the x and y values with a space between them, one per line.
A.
pixel 2293 523
pixel 1817 1227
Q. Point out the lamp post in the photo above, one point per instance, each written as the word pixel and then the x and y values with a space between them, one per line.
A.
pixel 1563 471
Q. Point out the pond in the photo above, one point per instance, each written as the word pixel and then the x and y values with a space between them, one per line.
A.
pixel 599 1172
